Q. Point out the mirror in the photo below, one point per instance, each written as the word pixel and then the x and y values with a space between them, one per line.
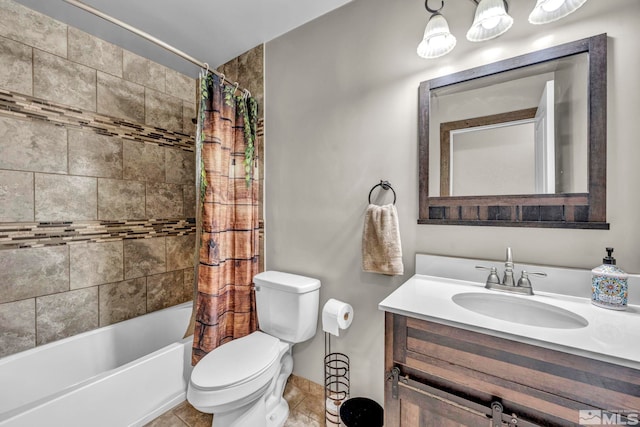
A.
pixel 521 142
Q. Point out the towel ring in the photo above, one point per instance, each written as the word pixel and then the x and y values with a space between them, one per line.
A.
pixel 385 186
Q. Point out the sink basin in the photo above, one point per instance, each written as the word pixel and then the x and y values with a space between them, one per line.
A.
pixel 519 310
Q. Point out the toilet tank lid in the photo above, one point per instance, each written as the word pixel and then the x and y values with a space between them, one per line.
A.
pixel 286 282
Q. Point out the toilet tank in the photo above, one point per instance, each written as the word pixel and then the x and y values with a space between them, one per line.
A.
pixel 287 305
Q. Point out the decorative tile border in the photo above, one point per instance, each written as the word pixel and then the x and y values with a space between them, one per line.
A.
pixel 38 234
pixel 26 107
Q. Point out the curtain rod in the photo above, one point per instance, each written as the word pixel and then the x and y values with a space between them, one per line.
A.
pixel 150 38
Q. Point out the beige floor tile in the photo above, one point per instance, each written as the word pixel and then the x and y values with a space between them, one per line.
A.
pixel 300 382
pixel 297 419
pixel 293 395
pixel 191 416
pixel 168 419
pixel 313 408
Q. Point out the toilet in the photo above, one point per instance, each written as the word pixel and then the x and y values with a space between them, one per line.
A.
pixel 242 382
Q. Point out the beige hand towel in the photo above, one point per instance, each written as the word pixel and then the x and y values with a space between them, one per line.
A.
pixel 381 247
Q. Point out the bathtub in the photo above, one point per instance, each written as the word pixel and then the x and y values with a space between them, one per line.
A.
pixel 124 374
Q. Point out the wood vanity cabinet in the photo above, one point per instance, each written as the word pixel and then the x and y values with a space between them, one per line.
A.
pixel 439 375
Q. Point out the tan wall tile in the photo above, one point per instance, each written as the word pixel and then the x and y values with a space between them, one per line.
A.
pixel 95 263
pixel 162 110
pixel 94 52
pixel 180 85
pixel 123 300
pixel 120 98
pixel 31 272
pixel 32 146
pixel 180 166
pixel 165 290
pixel 18 320
pixel 60 291
pixel 16 66
pixel 180 251
pixel 230 70
pixel 189 194
pixel 188 282
pixel 138 69
pixel 92 154
pixel 66 314
pixel 164 200
pixel 27 26
pixel 251 72
pixel 188 114
pixel 65 82
pixel 65 198
pixel 119 199
pixel 143 161
pixel 143 257
pixel 16 196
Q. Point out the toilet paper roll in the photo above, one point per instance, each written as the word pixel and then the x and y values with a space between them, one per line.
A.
pixel 336 315
pixel 332 406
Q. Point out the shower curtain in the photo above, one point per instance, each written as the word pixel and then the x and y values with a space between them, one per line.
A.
pixel 225 306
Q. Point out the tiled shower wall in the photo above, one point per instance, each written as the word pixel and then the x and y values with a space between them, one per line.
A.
pixel 97 193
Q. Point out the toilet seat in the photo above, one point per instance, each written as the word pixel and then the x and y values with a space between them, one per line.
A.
pixel 234 363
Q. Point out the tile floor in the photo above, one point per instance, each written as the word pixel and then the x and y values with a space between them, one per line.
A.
pixel 306 405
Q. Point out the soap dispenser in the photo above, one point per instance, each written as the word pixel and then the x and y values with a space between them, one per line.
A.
pixel 609 284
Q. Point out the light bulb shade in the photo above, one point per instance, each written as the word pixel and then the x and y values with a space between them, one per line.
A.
pixel 437 40
pixel 548 10
pixel 491 20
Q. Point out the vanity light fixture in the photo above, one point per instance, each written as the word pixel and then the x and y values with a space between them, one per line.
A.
pixel 491 20
pixel 437 40
pixel 547 11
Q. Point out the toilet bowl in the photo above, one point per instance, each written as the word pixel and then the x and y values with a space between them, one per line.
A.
pixel 238 375
pixel 242 382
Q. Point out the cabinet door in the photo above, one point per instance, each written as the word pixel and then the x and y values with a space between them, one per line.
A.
pixel 421 409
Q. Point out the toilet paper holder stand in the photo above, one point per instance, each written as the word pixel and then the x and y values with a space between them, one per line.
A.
pixel 336 382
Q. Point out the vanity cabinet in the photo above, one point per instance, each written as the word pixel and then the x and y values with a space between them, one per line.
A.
pixel 440 375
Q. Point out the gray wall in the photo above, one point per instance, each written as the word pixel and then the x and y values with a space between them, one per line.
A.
pixel 341 114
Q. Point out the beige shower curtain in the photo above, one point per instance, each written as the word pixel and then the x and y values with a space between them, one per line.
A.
pixel 225 306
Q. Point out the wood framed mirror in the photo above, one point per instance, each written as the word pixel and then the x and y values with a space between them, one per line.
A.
pixel 520 142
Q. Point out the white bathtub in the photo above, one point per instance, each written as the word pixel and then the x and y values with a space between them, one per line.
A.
pixel 124 374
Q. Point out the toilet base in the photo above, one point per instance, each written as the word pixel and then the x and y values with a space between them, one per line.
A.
pixel 252 415
pixel 277 406
pixel 278 415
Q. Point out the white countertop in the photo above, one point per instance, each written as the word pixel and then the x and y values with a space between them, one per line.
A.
pixel 612 336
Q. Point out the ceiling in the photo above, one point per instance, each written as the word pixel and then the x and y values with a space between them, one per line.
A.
pixel 211 31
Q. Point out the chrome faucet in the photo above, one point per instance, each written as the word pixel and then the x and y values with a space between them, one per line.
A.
pixel 508 284
pixel 507 279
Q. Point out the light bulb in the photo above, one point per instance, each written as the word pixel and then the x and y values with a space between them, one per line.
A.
pixel 490 23
pixel 438 40
pixel 552 5
pixel 547 11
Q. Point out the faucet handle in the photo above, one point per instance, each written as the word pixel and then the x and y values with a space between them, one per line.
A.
pixel 524 278
pixel 493 274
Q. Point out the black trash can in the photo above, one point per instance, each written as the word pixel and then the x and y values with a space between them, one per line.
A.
pixel 361 412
